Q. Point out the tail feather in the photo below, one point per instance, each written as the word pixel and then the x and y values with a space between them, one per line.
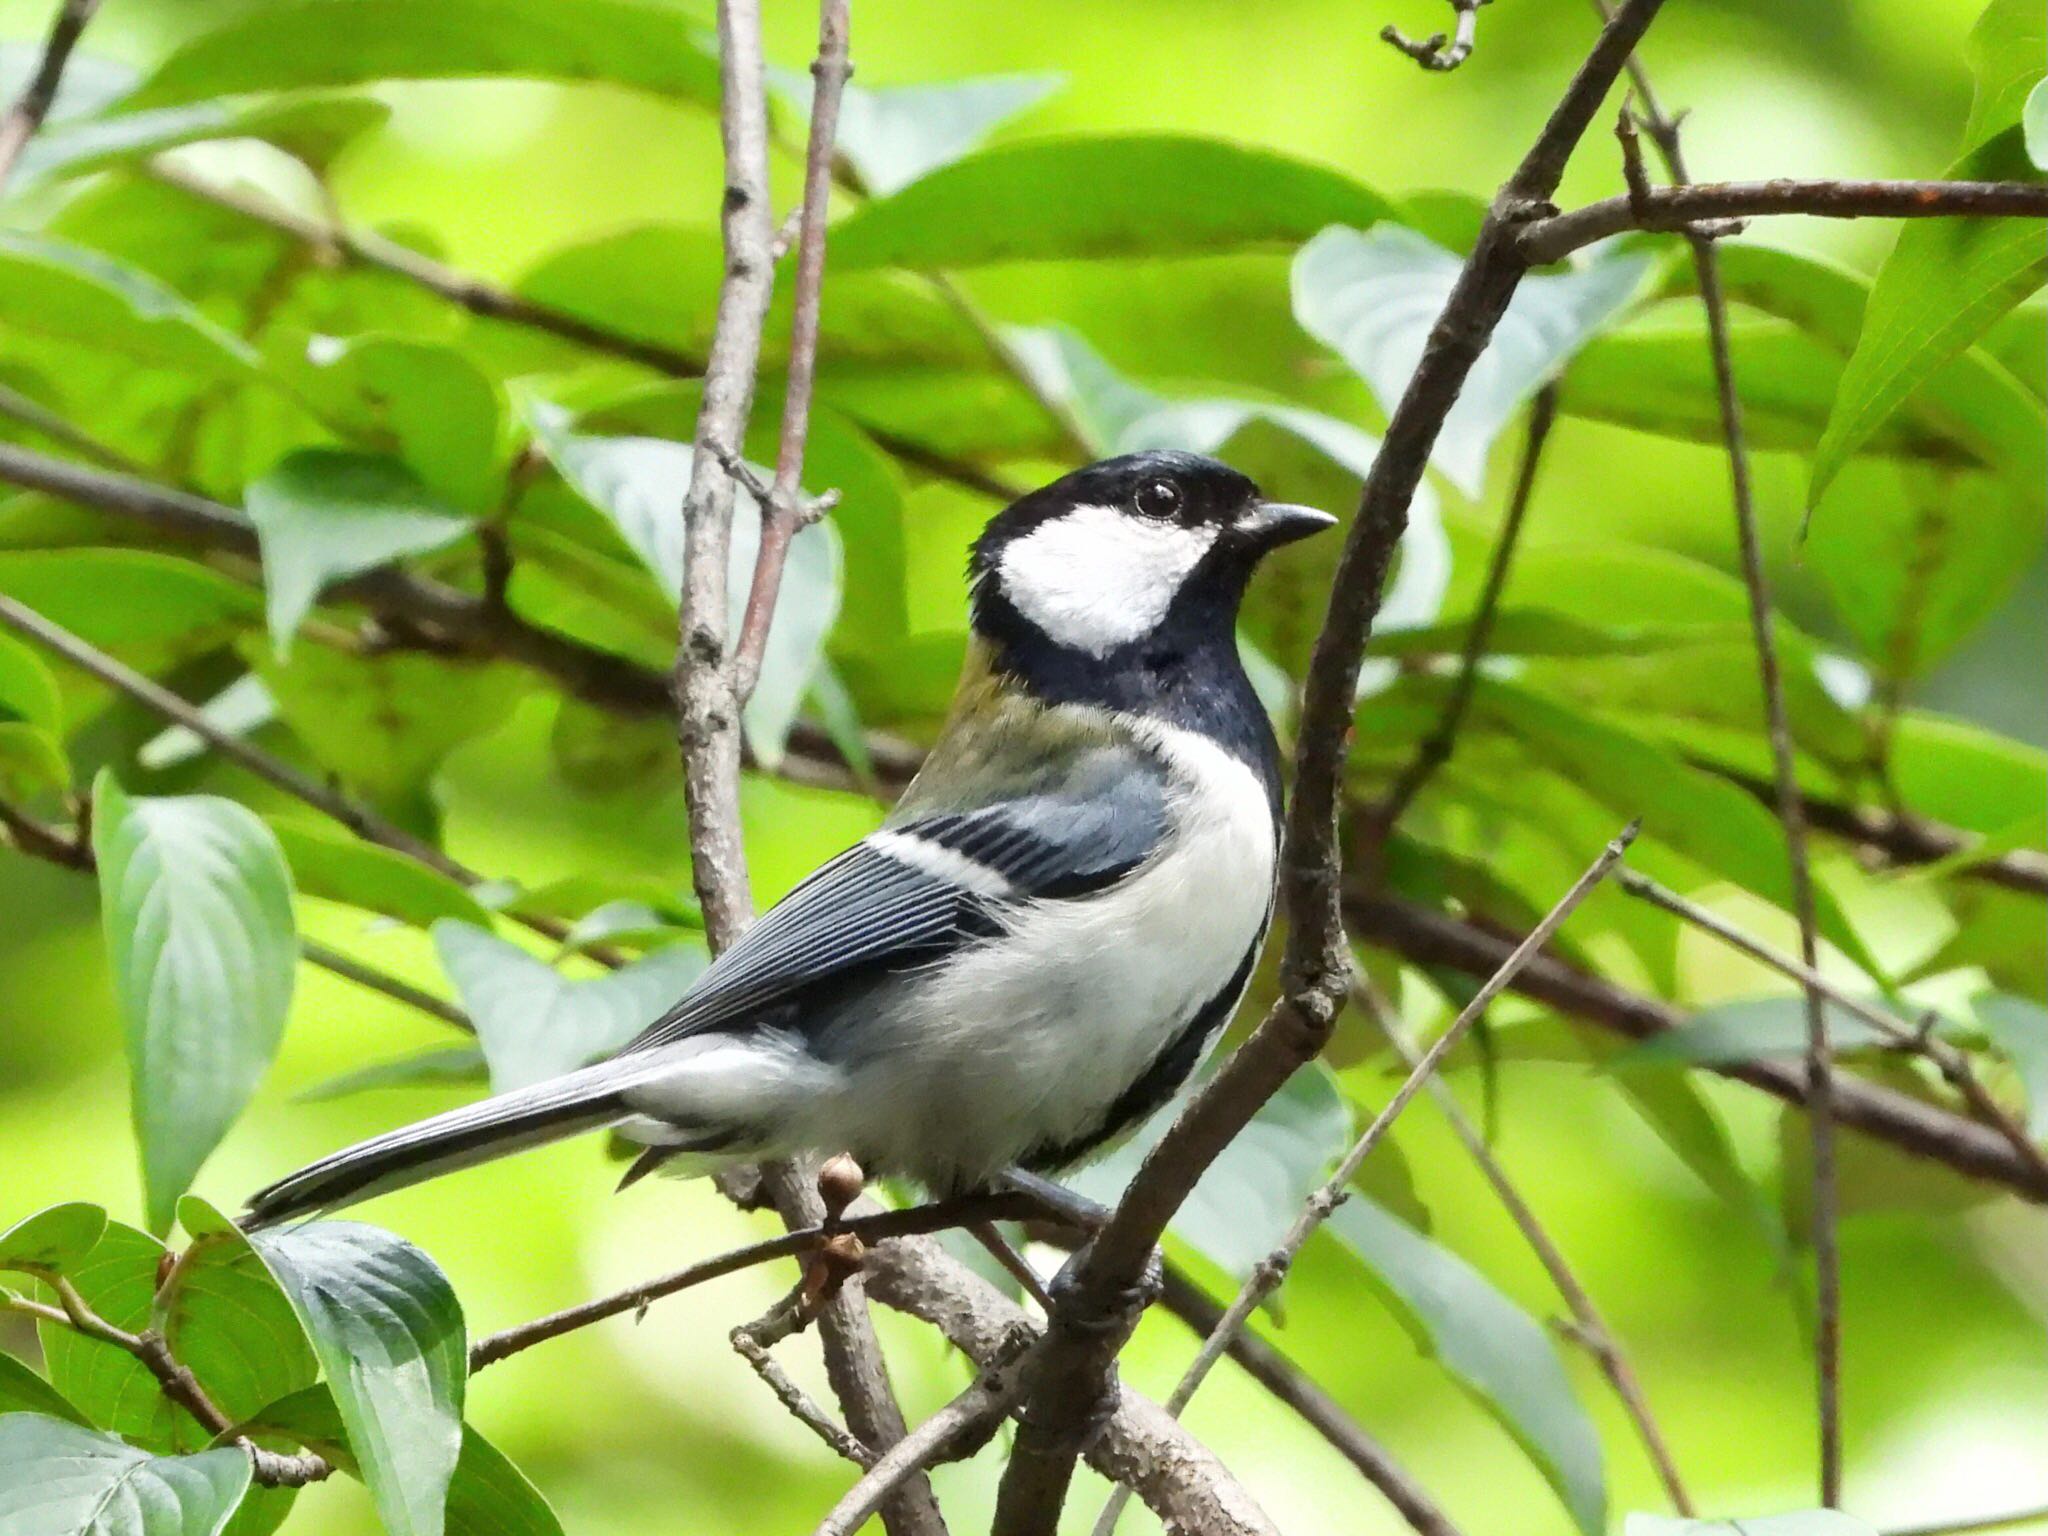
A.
pixel 508 1122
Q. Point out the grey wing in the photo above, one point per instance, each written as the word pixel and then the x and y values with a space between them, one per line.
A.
pixel 927 884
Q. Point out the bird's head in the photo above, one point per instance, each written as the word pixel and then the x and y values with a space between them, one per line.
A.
pixel 1126 550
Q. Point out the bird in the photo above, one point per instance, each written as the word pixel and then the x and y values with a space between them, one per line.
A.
pixel 1047 933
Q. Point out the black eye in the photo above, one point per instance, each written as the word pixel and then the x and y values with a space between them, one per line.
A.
pixel 1158 498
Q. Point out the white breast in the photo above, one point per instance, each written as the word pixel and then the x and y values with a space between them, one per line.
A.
pixel 1028 1039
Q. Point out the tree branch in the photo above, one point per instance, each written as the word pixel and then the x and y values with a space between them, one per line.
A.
pixel 1678 208
pixel 33 105
pixel 1427 937
pixel 1437 746
pixel 785 512
pixel 1267 1274
pixel 1084 1333
pixel 1953 1064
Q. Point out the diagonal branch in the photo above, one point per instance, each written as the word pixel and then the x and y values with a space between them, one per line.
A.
pixel 785 512
pixel 33 105
pixel 1267 1274
pixel 1075 1362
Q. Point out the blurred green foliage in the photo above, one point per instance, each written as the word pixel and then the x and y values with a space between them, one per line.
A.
pixel 1136 224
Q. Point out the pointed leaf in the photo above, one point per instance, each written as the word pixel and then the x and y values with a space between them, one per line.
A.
pixel 1372 297
pixel 70 294
pixel 197 904
pixel 337 866
pixel 324 514
pixel 352 42
pixel 389 1335
pixel 50 1240
pixel 312 128
pixel 491 1497
pixel 244 706
pixel 23 1391
pixel 59 1480
pixel 1060 199
pixel 1750 1030
pixel 440 412
pixel 445 1064
pixel 225 1317
pixel 1494 1348
pixel 534 1023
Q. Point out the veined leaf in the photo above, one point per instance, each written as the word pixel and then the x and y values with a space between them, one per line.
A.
pixel 1060 199
pixel 225 1318
pixel 441 414
pixel 111 1388
pixel 197 902
pixel 389 1335
pixel 1372 296
pixel 53 1239
pixel 324 514
pixel 534 1023
pixel 648 46
pixel 86 298
pixel 57 1479
pixel 1494 1348
pixel 338 866
pixel 896 134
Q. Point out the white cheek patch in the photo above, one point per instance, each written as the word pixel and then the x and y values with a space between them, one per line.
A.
pixel 1097 578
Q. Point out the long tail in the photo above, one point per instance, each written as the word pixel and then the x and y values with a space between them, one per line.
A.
pixel 508 1122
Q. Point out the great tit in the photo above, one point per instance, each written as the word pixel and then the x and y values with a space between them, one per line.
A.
pixel 1047 933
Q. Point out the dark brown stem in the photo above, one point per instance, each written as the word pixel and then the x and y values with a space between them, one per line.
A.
pixel 1679 208
pixel 1436 748
pixel 33 105
pixel 1075 1363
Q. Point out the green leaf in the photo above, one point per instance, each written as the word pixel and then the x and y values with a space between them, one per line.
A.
pixel 1373 296
pixel 59 1480
pixel 224 1317
pixel 109 1386
pixel 31 760
pixel 2005 49
pixel 895 135
pixel 197 904
pixel 127 597
pixel 324 514
pixel 52 1240
pixel 338 866
pixel 312 128
pixel 66 293
pixel 23 1391
pixel 352 42
pixel 489 1496
pixel 534 1023
pixel 1494 1349
pixel 440 413
pixel 389 1335
pixel 2034 122
pixel 637 482
pixel 240 709
pixel 384 722
pixel 1257 1186
pixel 1754 1029
pixel 1942 287
pixel 446 1064
pixel 1806 1522
pixel 2018 1026
pixel 28 689
pixel 1058 199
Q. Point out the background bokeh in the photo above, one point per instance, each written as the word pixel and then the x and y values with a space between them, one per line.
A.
pixel 658 1426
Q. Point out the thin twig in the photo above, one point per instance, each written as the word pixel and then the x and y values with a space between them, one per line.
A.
pixel 873 1227
pixel 957 1429
pixel 1677 209
pixel 1267 1274
pixel 1074 1363
pixel 1952 1063
pixel 352 969
pixel 33 105
pixel 1426 937
pixel 1589 1325
pixel 1664 132
pixel 785 512
pixel 1436 52
pixel 754 1342
pixel 38 417
pixel 1436 748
